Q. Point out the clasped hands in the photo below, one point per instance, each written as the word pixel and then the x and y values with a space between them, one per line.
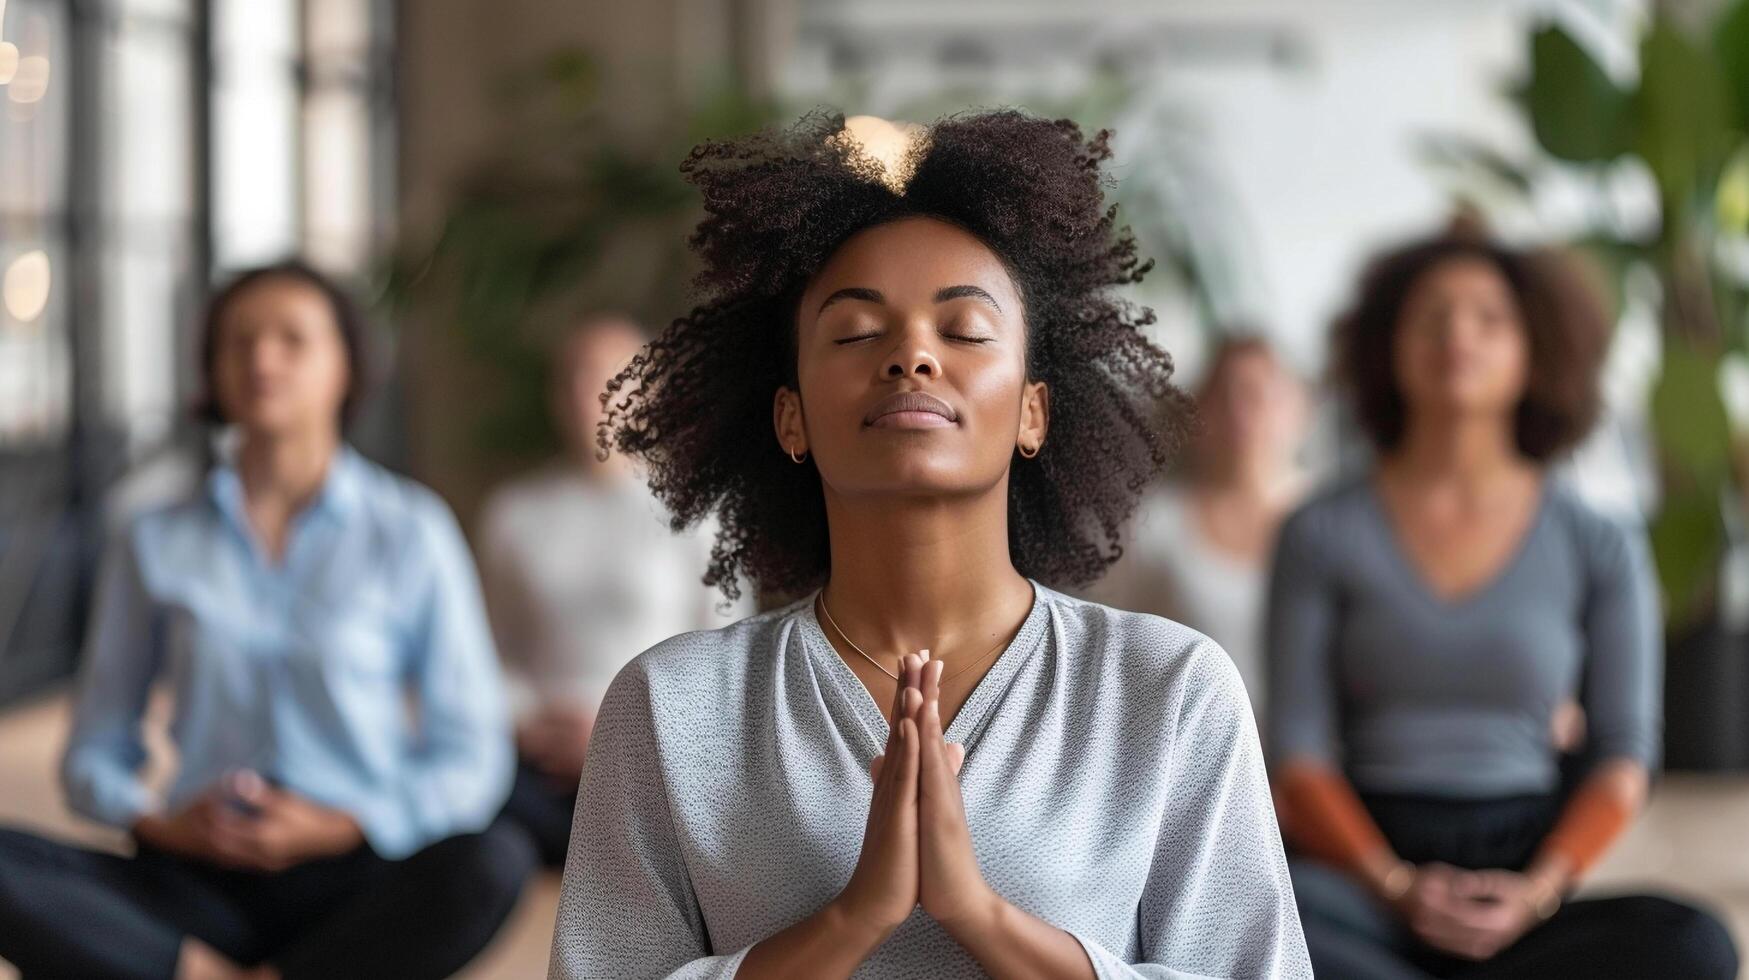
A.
pixel 243 822
pixel 917 849
pixel 1471 914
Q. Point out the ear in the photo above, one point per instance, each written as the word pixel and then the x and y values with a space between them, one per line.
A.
pixel 786 421
pixel 1035 416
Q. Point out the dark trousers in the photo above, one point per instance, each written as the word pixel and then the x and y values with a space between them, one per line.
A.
pixel 70 912
pixel 542 808
pixel 1352 935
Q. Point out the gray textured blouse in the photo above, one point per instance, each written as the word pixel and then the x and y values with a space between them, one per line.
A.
pixel 1113 784
pixel 1413 693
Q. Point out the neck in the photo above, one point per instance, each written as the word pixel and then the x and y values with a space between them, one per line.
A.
pixel 285 468
pixel 583 460
pixel 910 574
pixel 1466 450
pixel 1259 477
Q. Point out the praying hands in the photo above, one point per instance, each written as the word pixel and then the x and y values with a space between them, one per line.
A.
pixel 917 850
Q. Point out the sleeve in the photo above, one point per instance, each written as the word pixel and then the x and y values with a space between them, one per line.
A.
pixel 100 767
pixel 458 772
pixel 626 908
pixel 1300 638
pixel 506 593
pixel 1218 902
pixel 1623 673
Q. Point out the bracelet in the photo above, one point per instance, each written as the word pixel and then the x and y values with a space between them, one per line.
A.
pixel 1398 881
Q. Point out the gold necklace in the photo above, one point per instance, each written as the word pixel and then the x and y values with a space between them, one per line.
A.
pixel 821 599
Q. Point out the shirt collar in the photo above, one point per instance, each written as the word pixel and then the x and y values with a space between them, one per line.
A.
pixel 338 496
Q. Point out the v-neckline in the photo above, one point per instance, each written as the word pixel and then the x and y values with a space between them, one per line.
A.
pixel 968 722
pixel 1418 581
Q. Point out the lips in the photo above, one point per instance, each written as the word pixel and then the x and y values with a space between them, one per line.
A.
pixel 910 402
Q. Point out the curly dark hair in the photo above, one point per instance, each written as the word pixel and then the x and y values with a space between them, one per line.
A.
pixel 695 405
pixel 1563 318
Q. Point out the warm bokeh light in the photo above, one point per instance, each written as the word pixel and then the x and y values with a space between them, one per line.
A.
pixel 8 61
pixel 26 286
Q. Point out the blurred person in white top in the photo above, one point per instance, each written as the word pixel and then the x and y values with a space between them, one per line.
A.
pixel 581 573
pixel 1200 543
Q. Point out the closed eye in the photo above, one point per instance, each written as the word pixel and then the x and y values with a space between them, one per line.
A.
pixel 841 341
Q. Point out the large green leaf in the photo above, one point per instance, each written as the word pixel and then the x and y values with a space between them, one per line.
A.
pixel 1731 199
pixel 1693 430
pixel 1613 259
pixel 1687 538
pixel 1577 113
pixel 1731 44
pixel 1682 123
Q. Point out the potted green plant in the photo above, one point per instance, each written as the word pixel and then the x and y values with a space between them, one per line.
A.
pixel 1681 125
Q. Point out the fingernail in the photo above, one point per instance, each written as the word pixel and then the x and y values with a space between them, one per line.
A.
pixel 924 653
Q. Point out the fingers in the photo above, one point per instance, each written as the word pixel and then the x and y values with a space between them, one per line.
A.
pixel 908 762
pixel 906 701
pixel 939 766
pixel 931 690
pixel 898 702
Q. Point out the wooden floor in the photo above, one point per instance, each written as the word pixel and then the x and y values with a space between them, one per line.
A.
pixel 1690 843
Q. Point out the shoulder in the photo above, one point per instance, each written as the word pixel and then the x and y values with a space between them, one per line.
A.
pixel 1602 544
pixel 189 515
pixel 1331 512
pixel 398 505
pixel 402 523
pixel 179 533
pixel 1321 535
pixel 1158 664
pixel 713 663
pixel 513 502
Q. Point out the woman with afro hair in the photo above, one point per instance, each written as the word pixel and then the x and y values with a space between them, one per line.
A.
pixel 1464 659
pixel 911 397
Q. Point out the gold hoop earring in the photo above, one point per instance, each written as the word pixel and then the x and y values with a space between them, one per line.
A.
pixel 1026 455
pixel 794 458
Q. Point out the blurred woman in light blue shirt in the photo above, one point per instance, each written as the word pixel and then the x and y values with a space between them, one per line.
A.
pixel 342 742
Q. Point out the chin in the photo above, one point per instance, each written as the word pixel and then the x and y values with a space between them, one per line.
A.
pixel 922 478
pixel 266 423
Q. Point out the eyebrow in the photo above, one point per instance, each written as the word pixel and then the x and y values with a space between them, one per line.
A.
pixel 943 295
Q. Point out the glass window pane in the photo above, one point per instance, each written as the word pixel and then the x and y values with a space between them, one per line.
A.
pixel 337 184
pixel 35 367
pixel 142 291
pixel 35 379
pixel 168 10
pixel 255 118
pixel 147 174
pixel 147 227
pixel 33 123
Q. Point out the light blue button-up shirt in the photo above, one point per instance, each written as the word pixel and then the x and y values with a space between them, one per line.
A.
pixel 358 671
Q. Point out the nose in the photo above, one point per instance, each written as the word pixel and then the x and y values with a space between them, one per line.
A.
pixel 259 354
pixel 912 358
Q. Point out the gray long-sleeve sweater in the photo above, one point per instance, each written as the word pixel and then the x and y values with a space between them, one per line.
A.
pixel 1409 692
pixel 1113 784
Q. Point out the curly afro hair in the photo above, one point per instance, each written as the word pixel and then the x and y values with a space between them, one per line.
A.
pixel 695 405
pixel 1564 322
